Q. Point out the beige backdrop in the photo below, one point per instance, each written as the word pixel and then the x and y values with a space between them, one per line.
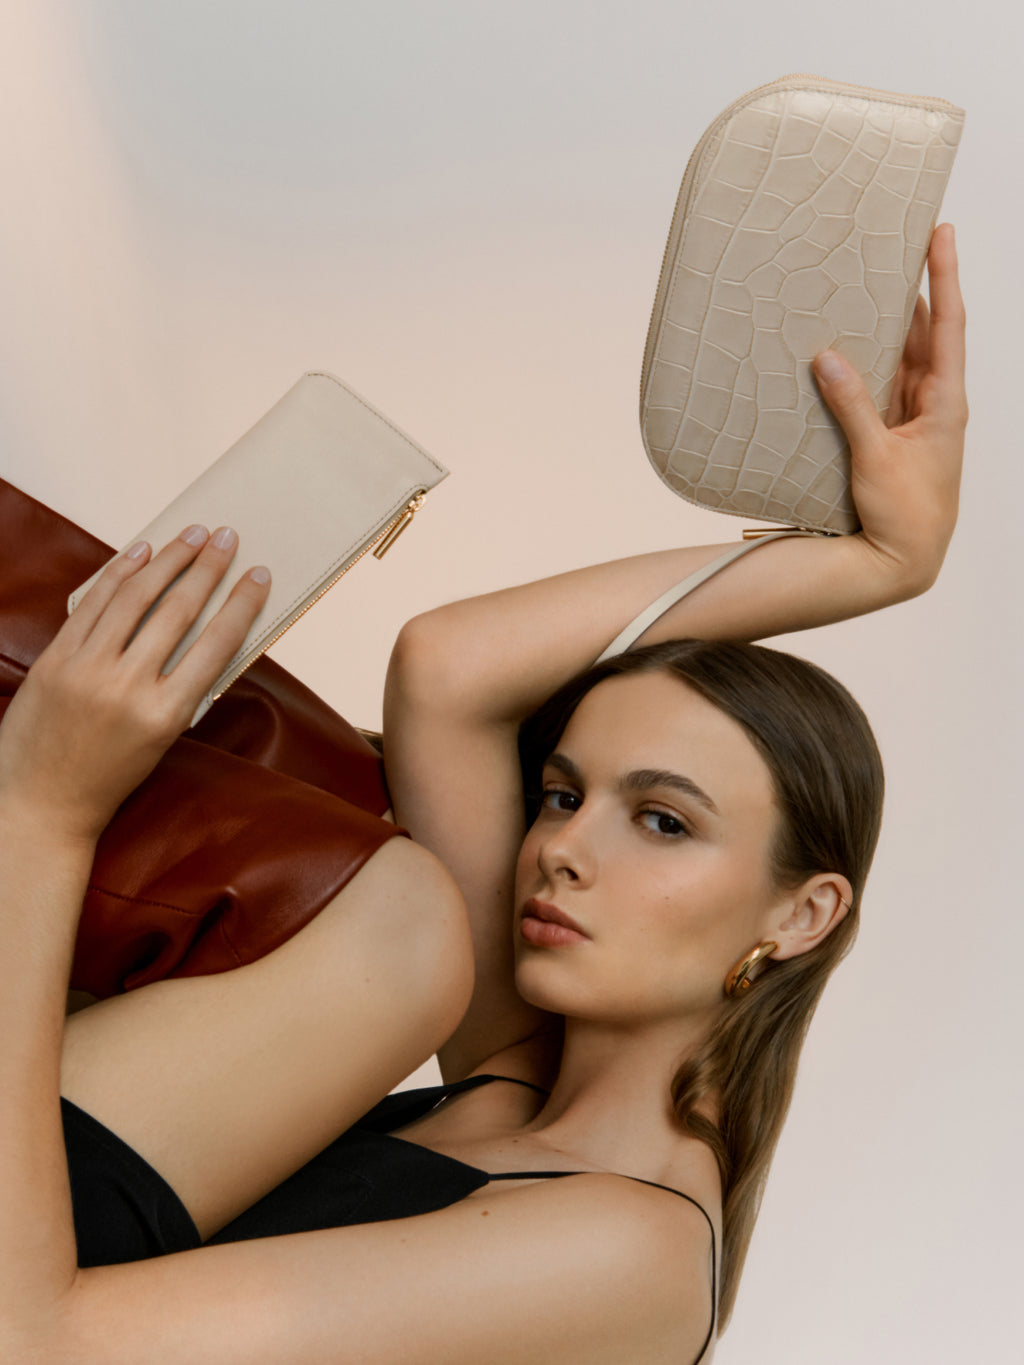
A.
pixel 460 208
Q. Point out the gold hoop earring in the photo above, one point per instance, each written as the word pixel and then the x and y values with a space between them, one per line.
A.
pixel 738 978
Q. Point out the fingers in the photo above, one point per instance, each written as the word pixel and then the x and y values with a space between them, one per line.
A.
pixel 948 318
pixel 178 607
pixel 912 368
pixel 934 348
pixel 846 395
pixel 79 625
pixel 220 639
pixel 125 611
pixel 95 718
pixel 916 353
pixel 177 612
pixel 115 616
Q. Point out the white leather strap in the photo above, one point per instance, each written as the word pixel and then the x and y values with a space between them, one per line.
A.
pixel 626 638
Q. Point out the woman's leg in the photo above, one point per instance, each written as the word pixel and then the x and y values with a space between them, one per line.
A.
pixel 226 1084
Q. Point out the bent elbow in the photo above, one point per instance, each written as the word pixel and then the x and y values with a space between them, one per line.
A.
pixel 429 668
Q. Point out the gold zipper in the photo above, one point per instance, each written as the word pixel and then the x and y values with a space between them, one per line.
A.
pixel 822 82
pixel 380 545
pixel 398 526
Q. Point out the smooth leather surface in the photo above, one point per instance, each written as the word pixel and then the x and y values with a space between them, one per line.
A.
pixel 805 225
pixel 244 830
pixel 307 488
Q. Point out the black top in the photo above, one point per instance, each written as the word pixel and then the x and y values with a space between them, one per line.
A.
pixel 124 1210
pixel 369 1176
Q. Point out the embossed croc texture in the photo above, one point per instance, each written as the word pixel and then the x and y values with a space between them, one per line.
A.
pixel 802 223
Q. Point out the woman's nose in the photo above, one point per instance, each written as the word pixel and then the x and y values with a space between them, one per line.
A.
pixel 566 852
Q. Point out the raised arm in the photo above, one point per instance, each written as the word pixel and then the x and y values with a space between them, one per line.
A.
pixel 464 676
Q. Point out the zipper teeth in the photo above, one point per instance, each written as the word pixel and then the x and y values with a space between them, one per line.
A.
pixel 412 505
pixel 823 82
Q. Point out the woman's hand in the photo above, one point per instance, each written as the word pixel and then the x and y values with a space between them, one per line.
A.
pixel 906 470
pixel 95 714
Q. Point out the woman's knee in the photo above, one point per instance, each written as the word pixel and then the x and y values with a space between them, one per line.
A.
pixel 412 923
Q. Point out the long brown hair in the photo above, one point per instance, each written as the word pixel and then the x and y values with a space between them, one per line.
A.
pixel 828 786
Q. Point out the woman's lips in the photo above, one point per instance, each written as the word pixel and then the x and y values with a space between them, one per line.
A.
pixel 548 927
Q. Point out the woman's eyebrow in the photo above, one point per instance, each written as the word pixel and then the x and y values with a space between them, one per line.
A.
pixel 565 766
pixel 641 779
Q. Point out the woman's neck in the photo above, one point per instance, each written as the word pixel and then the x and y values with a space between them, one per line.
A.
pixel 611 1102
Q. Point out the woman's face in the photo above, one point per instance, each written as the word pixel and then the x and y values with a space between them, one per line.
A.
pixel 654 837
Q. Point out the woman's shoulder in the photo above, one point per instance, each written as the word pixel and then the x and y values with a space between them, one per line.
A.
pixel 624 1259
pixel 671 1224
pixel 601 1258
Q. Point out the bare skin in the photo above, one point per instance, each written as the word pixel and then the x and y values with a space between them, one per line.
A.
pixel 93 718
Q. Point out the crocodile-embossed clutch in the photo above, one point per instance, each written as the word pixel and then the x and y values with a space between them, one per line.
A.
pixel 802 224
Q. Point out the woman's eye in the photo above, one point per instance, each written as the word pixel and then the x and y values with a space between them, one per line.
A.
pixel 556 798
pixel 660 822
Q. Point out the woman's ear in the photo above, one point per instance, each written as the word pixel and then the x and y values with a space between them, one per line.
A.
pixel 809 914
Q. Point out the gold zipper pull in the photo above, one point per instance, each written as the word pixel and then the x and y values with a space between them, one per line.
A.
pixel 755 533
pixel 752 533
pixel 396 529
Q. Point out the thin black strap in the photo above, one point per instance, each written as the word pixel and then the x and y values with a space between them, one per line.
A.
pixel 549 1175
pixel 405 1106
pixel 529 1084
pixel 533 1175
pixel 471 1083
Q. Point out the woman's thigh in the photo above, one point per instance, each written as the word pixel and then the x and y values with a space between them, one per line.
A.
pixel 226 1084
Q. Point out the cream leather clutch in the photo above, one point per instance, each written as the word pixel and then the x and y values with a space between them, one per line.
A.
pixel 802 224
pixel 321 478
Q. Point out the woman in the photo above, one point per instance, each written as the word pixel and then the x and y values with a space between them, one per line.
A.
pixel 673 849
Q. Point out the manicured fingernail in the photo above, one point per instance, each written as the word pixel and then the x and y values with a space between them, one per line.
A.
pixel 194 535
pixel 137 551
pixel 260 575
pixel 225 538
pixel 830 367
